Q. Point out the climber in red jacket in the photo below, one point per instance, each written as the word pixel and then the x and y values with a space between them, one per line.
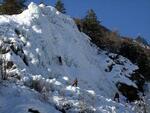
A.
pixel 75 82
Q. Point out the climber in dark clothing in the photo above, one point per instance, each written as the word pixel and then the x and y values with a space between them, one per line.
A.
pixel 116 97
pixel 75 83
pixel 60 60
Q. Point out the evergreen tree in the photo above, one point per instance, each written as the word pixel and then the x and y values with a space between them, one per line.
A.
pixel 12 6
pixel 60 6
pixel 91 26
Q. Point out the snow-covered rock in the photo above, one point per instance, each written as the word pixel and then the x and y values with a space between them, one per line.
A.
pixel 49 53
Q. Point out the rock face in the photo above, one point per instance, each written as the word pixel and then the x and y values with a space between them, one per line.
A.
pixel 130 92
pixel 45 53
pixel 139 80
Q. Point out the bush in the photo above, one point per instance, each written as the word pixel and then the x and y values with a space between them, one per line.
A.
pixel 36 85
pixel 12 6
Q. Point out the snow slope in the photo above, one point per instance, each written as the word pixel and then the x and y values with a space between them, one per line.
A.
pixel 34 40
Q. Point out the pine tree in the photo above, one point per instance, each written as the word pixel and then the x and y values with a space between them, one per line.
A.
pixel 91 26
pixel 60 6
pixel 91 16
pixel 12 6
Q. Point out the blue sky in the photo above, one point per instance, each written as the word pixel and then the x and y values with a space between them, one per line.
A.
pixel 129 17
